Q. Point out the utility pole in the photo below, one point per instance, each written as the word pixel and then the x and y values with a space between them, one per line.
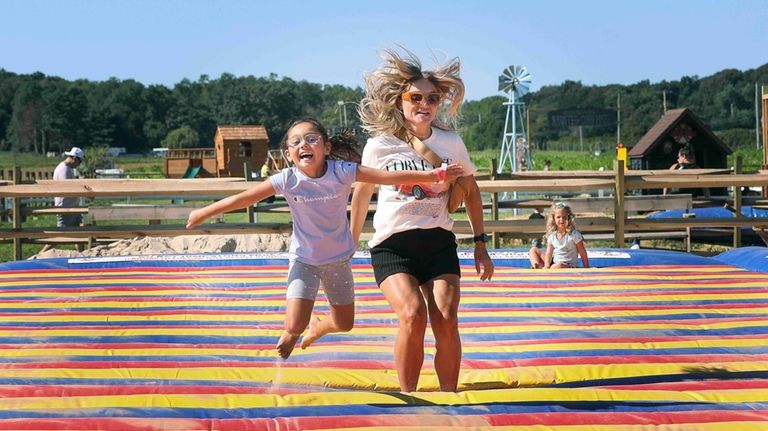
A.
pixel 618 118
pixel 757 118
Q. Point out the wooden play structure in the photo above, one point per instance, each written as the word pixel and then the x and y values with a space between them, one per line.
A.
pixel 234 146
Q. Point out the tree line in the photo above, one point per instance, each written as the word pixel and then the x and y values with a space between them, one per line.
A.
pixel 40 113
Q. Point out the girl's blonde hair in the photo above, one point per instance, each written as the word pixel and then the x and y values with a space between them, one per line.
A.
pixel 570 225
pixel 381 110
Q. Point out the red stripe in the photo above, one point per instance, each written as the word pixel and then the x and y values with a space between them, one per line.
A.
pixel 476 364
pixel 63 391
pixel 414 420
pixel 720 385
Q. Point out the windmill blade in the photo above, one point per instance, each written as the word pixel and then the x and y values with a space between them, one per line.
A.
pixel 515 79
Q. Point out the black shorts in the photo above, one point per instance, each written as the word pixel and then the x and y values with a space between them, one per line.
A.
pixel 422 253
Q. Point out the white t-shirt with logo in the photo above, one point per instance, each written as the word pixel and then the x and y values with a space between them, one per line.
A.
pixel 565 250
pixel 321 232
pixel 405 207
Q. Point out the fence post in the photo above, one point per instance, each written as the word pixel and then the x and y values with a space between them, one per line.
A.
pixel 252 218
pixel 495 240
pixel 17 214
pixel 618 203
pixel 737 168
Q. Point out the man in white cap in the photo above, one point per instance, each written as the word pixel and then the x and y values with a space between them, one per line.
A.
pixel 66 171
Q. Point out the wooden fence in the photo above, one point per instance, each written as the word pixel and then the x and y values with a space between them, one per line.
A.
pixel 618 223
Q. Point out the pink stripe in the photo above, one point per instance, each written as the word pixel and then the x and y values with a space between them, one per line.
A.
pixel 331 422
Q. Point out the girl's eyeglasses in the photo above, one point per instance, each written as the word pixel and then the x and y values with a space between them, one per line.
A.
pixel 309 138
pixel 431 98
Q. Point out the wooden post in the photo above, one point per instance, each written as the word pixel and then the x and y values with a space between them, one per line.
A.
pixel 495 240
pixel 252 218
pixel 737 167
pixel 618 203
pixel 17 215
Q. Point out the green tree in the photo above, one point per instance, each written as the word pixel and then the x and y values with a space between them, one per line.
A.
pixel 183 137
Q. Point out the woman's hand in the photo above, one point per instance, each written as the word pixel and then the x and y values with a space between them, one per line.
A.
pixel 453 171
pixel 482 259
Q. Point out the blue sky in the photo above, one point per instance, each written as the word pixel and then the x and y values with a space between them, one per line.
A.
pixel 337 42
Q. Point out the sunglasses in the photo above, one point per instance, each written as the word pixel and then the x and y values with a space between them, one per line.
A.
pixel 560 204
pixel 309 138
pixel 431 98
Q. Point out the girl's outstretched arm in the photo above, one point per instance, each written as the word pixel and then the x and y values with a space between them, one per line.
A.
pixel 377 176
pixel 243 199
pixel 582 249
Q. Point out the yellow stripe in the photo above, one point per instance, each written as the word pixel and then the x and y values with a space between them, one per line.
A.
pixel 249 401
pixel 277 315
pixel 385 347
pixel 428 425
pixel 501 328
pixel 382 302
pixel 117 288
pixel 386 379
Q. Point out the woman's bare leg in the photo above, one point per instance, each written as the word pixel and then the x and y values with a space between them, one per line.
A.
pixel 443 296
pixel 403 294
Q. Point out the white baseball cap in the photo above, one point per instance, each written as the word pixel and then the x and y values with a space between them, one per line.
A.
pixel 75 152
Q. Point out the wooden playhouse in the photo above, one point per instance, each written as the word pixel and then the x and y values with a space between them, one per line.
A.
pixel 234 145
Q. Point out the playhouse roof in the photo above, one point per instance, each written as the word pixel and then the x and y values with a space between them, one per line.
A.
pixel 664 127
pixel 242 133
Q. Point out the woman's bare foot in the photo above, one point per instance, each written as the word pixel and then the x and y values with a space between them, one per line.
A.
pixel 285 344
pixel 312 333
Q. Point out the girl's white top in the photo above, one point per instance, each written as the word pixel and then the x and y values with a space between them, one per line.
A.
pixel 565 248
pixel 321 232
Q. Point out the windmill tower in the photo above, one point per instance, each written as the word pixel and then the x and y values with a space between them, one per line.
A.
pixel 515 81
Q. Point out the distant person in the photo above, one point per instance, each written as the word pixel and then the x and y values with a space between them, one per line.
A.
pixel 66 171
pixel 317 188
pixel 564 242
pixel 547 165
pixel 686 159
pixel 264 172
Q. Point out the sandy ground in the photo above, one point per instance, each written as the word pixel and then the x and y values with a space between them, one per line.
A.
pixel 178 245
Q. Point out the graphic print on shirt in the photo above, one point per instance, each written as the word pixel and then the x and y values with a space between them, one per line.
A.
pixel 417 192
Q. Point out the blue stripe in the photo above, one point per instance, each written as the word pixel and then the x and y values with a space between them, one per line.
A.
pixel 368 356
pixel 386 409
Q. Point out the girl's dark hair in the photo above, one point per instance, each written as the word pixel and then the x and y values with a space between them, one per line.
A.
pixel 344 146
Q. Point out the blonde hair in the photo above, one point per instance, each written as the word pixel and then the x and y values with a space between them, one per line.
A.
pixel 551 226
pixel 380 110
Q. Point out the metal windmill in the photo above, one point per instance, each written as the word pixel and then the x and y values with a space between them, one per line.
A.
pixel 515 81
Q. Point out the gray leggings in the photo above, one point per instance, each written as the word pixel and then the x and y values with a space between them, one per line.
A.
pixel 304 280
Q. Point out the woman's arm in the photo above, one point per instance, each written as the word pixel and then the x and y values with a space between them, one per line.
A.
pixel 474 204
pixel 379 176
pixel 361 197
pixel 582 249
pixel 243 199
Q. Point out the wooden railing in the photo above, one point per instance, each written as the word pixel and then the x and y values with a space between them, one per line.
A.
pixel 616 184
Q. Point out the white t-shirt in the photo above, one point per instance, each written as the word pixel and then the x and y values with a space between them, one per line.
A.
pixel 401 208
pixel 321 232
pixel 565 249
pixel 64 172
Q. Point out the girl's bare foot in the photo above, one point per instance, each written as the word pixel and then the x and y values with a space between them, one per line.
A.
pixel 285 344
pixel 312 333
